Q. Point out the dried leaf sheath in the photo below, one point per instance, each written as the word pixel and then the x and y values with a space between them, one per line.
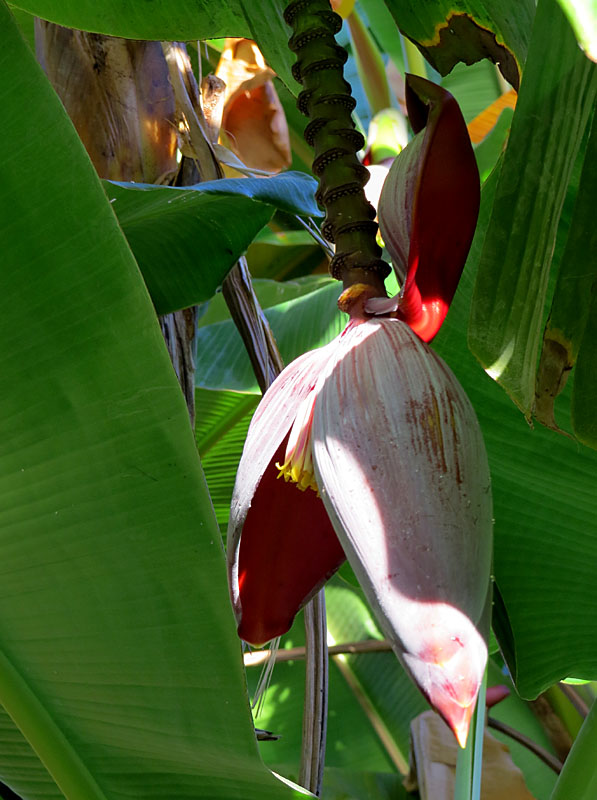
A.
pixel 118 95
pixel 253 121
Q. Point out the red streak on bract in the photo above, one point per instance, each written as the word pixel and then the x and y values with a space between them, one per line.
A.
pixel 424 318
pixel 288 550
pixel 441 193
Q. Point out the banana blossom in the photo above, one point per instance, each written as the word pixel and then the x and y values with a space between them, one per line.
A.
pixel 380 439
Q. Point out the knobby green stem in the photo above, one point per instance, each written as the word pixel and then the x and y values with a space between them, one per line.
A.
pixel 327 100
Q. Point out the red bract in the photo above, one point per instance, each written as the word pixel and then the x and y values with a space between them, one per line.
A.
pixel 288 547
pixel 428 209
pixel 377 423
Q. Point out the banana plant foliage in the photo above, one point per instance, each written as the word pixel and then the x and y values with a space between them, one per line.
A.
pixel 120 672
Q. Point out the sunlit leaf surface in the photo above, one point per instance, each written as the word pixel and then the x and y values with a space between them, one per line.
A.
pixel 118 654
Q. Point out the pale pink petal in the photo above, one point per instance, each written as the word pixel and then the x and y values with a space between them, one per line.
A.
pixel 402 470
pixel 382 305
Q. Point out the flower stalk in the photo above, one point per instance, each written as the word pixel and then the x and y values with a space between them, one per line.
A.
pixel 327 100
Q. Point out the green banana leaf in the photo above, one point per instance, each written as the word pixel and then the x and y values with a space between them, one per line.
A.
pixel 572 274
pixel 221 423
pixel 474 87
pixel 573 304
pixel 578 778
pixel 585 382
pixel 342 784
pixel 556 99
pixel 186 240
pixel 583 18
pixel 304 321
pixel 468 30
pixel 119 663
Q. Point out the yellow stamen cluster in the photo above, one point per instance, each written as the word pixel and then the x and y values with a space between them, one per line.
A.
pixel 299 473
pixel 298 463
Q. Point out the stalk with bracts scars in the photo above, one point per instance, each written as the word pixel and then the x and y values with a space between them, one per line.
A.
pixel 368 447
pixel 327 100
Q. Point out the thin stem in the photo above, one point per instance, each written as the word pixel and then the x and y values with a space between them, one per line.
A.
pixel 316 696
pixel 573 697
pixel 258 657
pixel 313 231
pixel 535 748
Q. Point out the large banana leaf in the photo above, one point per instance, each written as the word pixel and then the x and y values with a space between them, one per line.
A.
pixel 556 100
pixel 118 655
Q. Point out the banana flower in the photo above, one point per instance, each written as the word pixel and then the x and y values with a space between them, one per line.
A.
pixel 369 448
pixel 380 437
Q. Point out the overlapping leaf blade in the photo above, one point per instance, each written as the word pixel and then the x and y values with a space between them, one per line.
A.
pixel 556 100
pixel 299 324
pixel 468 32
pixel 187 240
pixel 118 655
pixel 221 423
